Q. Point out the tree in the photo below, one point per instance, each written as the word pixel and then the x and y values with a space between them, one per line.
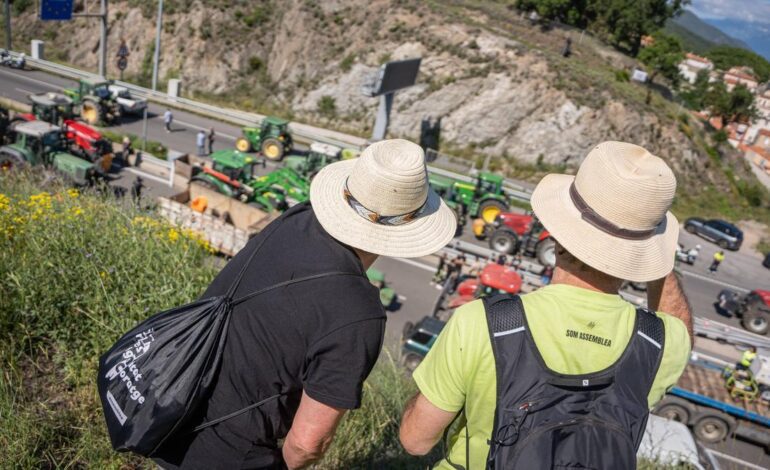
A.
pixel 662 57
pixel 737 105
pixel 694 97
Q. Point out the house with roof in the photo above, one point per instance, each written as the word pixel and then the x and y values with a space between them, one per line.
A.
pixel 692 65
pixel 740 75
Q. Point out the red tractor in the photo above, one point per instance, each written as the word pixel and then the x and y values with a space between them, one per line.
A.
pixel 511 233
pixel 494 279
pixel 88 143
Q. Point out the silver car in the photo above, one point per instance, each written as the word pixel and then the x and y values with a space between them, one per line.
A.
pixel 724 234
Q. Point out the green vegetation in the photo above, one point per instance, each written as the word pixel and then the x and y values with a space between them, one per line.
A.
pixel 663 58
pixel 154 148
pixel 327 107
pixel 620 22
pixel 725 57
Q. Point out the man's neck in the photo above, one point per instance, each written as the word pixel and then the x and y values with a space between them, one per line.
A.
pixel 367 259
pixel 587 281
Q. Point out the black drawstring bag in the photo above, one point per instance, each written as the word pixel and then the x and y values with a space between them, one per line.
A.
pixel 155 376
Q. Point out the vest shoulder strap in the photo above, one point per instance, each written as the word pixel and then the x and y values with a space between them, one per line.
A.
pixel 650 327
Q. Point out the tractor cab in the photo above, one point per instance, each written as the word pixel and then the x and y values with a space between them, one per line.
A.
pixel 494 279
pixel 319 156
pixel 52 107
pixel 489 183
pixel 94 101
pixel 42 143
pixel 271 138
pixel 96 87
pixel 418 339
pixel 236 165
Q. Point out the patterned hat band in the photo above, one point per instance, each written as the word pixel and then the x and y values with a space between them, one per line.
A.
pixel 376 218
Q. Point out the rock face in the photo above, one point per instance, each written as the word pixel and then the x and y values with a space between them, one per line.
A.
pixel 501 90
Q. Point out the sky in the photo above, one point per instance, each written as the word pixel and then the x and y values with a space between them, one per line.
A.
pixel 748 20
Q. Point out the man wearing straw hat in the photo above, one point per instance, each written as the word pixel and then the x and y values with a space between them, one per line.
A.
pixel 313 343
pixel 549 378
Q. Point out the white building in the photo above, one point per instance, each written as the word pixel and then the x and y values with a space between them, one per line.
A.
pixel 692 65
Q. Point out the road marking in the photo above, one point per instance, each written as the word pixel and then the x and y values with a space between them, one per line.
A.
pixel 30 79
pixel 26 92
pixel 736 460
pixel 416 264
pixel 144 174
pixel 714 281
pixel 193 126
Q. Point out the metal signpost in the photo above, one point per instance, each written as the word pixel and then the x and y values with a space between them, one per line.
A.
pixel 102 16
pixel 122 61
pixel 392 77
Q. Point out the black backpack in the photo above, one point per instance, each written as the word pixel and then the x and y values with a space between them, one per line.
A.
pixel 544 419
pixel 155 377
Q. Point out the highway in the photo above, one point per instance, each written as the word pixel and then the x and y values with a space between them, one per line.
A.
pixel 411 278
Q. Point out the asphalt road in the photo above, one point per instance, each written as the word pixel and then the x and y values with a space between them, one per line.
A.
pixel 411 278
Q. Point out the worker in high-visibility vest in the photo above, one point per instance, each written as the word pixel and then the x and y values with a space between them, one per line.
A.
pixel 747 359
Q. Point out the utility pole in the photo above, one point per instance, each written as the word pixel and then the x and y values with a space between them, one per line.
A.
pixel 102 15
pixel 156 58
pixel 8 24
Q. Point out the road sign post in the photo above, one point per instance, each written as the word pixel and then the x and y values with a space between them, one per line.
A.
pixel 392 77
pixel 122 61
pixel 7 14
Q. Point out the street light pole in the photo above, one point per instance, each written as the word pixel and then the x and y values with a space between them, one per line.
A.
pixel 8 24
pixel 156 58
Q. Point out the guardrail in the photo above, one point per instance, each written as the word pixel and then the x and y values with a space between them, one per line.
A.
pixel 729 334
pixel 302 132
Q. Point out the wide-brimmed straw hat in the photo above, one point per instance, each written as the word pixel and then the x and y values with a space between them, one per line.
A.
pixel 381 202
pixel 613 215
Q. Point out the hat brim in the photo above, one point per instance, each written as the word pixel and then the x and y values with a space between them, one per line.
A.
pixel 425 235
pixel 633 260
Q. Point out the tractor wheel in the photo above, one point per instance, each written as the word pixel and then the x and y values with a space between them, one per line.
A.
pixel 753 320
pixel 273 149
pixel 504 241
pixel 546 252
pixel 711 429
pixel 91 112
pixel 9 162
pixel 243 145
pixel 490 209
pixel 103 164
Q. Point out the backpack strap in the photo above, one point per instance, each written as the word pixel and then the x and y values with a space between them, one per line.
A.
pixel 651 338
pixel 505 314
pixel 266 233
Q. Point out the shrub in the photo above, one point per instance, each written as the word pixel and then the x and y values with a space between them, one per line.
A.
pixel 327 106
pixel 255 64
pixel 622 75
pixel 154 148
pixel 76 271
pixel 347 63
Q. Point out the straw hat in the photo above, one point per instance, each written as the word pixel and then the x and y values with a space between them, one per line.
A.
pixel 613 215
pixel 381 202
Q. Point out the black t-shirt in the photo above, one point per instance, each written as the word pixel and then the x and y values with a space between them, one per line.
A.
pixel 322 336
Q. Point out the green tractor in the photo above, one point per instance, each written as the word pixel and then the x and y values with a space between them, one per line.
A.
pixel 233 173
pixel 54 108
pixel 388 297
pixel 94 101
pixel 271 138
pixel 41 143
pixel 318 157
pixel 483 198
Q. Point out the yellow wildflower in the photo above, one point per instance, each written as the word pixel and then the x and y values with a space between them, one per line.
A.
pixel 173 235
pixel 73 193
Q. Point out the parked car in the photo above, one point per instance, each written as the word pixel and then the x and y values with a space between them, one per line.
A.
pixel 418 339
pixel 128 104
pixel 766 262
pixel 753 308
pixel 724 234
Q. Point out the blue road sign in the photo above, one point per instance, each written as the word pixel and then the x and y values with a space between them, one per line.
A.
pixel 56 9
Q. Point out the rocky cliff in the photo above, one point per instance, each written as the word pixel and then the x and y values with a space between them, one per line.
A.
pixel 500 85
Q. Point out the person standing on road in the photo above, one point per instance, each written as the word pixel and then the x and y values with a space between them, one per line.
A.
pixel 748 357
pixel 211 138
pixel 127 149
pixel 168 118
pixel 719 256
pixel 439 274
pixel 508 360
pixel 313 343
pixel 200 141
pixel 136 191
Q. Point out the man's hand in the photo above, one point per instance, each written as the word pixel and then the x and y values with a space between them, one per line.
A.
pixel 311 432
pixel 666 295
pixel 422 425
